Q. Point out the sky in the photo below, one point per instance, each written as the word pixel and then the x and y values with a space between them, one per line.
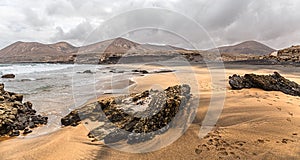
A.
pixel 206 23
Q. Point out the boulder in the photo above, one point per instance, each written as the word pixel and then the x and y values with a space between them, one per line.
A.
pixel 163 71
pixel 140 71
pixel 8 76
pixel 274 82
pixel 16 116
pixel 133 126
pixel 71 119
pixel 87 71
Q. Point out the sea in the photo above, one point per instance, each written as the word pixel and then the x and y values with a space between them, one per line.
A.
pixel 57 89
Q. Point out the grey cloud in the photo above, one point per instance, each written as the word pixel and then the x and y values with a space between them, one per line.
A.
pixel 263 23
pixel 34 19
pixel 169 22
pixel 76 8
pixel 76 35
pixel 219 14
pixel 227 21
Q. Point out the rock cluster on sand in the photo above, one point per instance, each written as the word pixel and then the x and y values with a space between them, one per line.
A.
pixel 160 109
pixel 273 82
pixel 16 116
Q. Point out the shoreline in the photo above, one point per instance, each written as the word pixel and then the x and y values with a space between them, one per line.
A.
pixel 237 62
pixel 258 124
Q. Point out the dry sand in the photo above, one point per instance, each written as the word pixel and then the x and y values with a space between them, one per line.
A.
pixel 254 124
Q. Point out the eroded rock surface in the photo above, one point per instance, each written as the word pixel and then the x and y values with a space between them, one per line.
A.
pixel 17 117
pixel 274 82
pixel 134 118
pixel 291 54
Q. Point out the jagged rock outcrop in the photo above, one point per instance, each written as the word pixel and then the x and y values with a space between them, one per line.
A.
pixel 16 116
pixel 134 118
pixel 287 55
pixel 274 82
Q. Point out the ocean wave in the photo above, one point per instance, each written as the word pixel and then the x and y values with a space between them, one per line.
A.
pixel 31 68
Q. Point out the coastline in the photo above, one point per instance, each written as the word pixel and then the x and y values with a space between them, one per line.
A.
pixel 254 124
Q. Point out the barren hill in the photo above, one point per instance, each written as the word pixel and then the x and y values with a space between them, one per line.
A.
pixel 247 47
pixel 111 51
pixel 37 52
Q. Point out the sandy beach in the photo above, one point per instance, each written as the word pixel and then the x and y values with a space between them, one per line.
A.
pixel 254 124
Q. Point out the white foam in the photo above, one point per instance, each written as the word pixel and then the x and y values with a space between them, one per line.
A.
pixel 31 68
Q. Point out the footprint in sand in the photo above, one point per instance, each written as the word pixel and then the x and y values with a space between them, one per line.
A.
pixel 291 114
pixel 222 154
pixel 240 143
pixel 289 119
pixel 261 141
pixel 278 108
pixel 198 151
pixel 246 93
pixel 289 102
pixel 285 140
pixel 224 149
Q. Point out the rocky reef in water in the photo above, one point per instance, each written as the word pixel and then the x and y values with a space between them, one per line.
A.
pixel 134 118
pixel 274 82
pixel 17 117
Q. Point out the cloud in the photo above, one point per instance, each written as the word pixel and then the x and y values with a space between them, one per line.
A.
pixel 227 21
pixel 76 35
pixel 34 19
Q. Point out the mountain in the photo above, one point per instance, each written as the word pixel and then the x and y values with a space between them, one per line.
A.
pixel 122 45
pixel 63 52
pixel 247 48
pixel 114 50
pixel 117 45
pixel 37 52
pixel 242 51
pixel 121 49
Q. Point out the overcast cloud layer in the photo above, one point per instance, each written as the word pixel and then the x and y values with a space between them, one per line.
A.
pixel 273 22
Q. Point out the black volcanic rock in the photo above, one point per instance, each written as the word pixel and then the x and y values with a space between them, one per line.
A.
pixel 124 123
pixel 274 82
pixel 88 71
pixel 140 71
pixel 8 76
pixel 16 116
pixel 71 119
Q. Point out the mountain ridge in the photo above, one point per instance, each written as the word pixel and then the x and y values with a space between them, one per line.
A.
pixel 247 47
pixel 65 52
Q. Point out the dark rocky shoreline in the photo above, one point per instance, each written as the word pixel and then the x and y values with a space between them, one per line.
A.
pixel 17 117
